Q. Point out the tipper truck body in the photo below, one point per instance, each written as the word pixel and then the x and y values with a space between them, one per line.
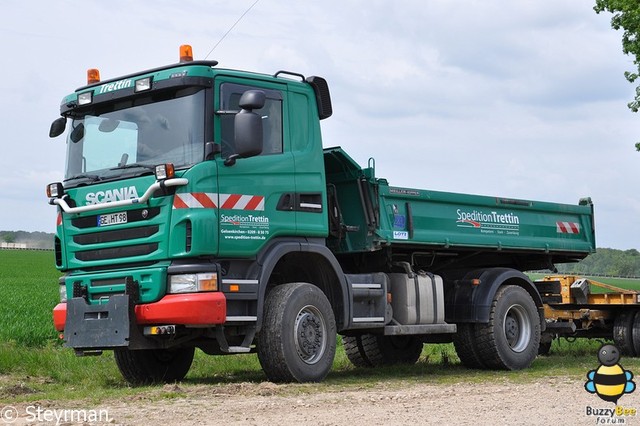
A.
pixel 200 210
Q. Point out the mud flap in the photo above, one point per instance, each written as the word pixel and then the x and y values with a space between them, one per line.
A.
pixel 95 327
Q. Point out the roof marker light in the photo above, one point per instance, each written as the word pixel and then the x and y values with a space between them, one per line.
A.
pixel 143 84
pixel 85 98
pixel 186 53
pixel 93 75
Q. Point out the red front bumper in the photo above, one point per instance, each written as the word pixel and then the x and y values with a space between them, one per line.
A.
pixel 181 309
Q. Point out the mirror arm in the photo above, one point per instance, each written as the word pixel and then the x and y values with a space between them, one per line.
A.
pixel 231 160
pixel 210 149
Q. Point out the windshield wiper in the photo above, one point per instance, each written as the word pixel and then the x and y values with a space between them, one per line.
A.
pixel 93 178
pixel 133 166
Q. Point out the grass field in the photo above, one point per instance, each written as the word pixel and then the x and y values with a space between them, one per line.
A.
pixel 34 365
pixel 28 291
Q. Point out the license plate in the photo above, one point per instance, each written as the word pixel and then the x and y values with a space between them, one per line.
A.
pixel 112 219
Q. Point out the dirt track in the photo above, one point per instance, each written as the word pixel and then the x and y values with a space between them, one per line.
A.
pixel 561 401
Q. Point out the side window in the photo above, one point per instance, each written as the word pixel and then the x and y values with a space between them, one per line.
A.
pixel 271 118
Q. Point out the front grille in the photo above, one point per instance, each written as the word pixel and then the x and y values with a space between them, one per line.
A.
pixel 117 252
pixel 115 235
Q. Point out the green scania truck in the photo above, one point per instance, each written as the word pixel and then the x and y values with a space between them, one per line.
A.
pixel 199 210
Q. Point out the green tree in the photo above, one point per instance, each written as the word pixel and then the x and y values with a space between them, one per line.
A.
pixel 9 237
pixel 626 16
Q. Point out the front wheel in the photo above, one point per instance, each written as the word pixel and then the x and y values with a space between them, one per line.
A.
pixel 511 338
pixel 147 366
pixel 297 342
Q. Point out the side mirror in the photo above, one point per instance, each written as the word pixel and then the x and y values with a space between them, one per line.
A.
pixel 252 99
pixel 248 127
pixel 57 127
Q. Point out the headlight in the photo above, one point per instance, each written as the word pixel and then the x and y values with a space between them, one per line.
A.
pixel 192 283
pixel 63 292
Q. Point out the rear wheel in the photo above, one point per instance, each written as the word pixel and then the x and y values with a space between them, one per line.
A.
pixel 297 342
pixel 355 352
pixel 511 338
pixel 373 350
pixel 465 344
pixel 154 365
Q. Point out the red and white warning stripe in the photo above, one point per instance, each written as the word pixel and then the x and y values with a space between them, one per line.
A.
pixel 567 228
pixel 241 202
pixel 207 200
pixel 195 200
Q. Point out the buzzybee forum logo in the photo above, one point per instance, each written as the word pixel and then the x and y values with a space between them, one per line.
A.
pixel 610 381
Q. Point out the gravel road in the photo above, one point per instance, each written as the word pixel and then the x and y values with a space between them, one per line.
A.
pixel 551 401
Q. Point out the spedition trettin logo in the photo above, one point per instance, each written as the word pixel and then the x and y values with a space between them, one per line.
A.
pixel 491 222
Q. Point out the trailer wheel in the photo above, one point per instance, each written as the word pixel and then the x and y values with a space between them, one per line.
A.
pixel 510 340
pixel 636 333
pixel 623 327
pixel 374 350
pixel 465 345
pixel 544 349
pixel 297 342
pixel 154 365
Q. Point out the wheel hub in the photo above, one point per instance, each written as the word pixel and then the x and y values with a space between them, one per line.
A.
pixel 517 327
pixel 512 330
pixel 310 335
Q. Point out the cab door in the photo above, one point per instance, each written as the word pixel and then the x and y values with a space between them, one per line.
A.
pixel 254 192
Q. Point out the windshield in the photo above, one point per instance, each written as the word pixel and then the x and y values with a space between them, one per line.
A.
pixel 130 137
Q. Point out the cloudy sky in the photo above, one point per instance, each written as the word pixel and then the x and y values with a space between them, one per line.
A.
pixel 521 99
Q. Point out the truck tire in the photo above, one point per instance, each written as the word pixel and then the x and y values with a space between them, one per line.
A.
pixel 297 342
pixel 465 345
pixel 544 349
pixel 510 340
pixel 355 352
pixel 374 350
pixel 636 333
pixel 623 332
pixel 148 366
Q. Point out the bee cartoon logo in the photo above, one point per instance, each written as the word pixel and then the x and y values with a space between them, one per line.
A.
pixel 609 381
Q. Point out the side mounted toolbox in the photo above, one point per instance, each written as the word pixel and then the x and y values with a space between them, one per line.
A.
pixel 418 299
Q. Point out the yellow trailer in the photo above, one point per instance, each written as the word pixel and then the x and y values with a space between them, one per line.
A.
pixel 579 307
